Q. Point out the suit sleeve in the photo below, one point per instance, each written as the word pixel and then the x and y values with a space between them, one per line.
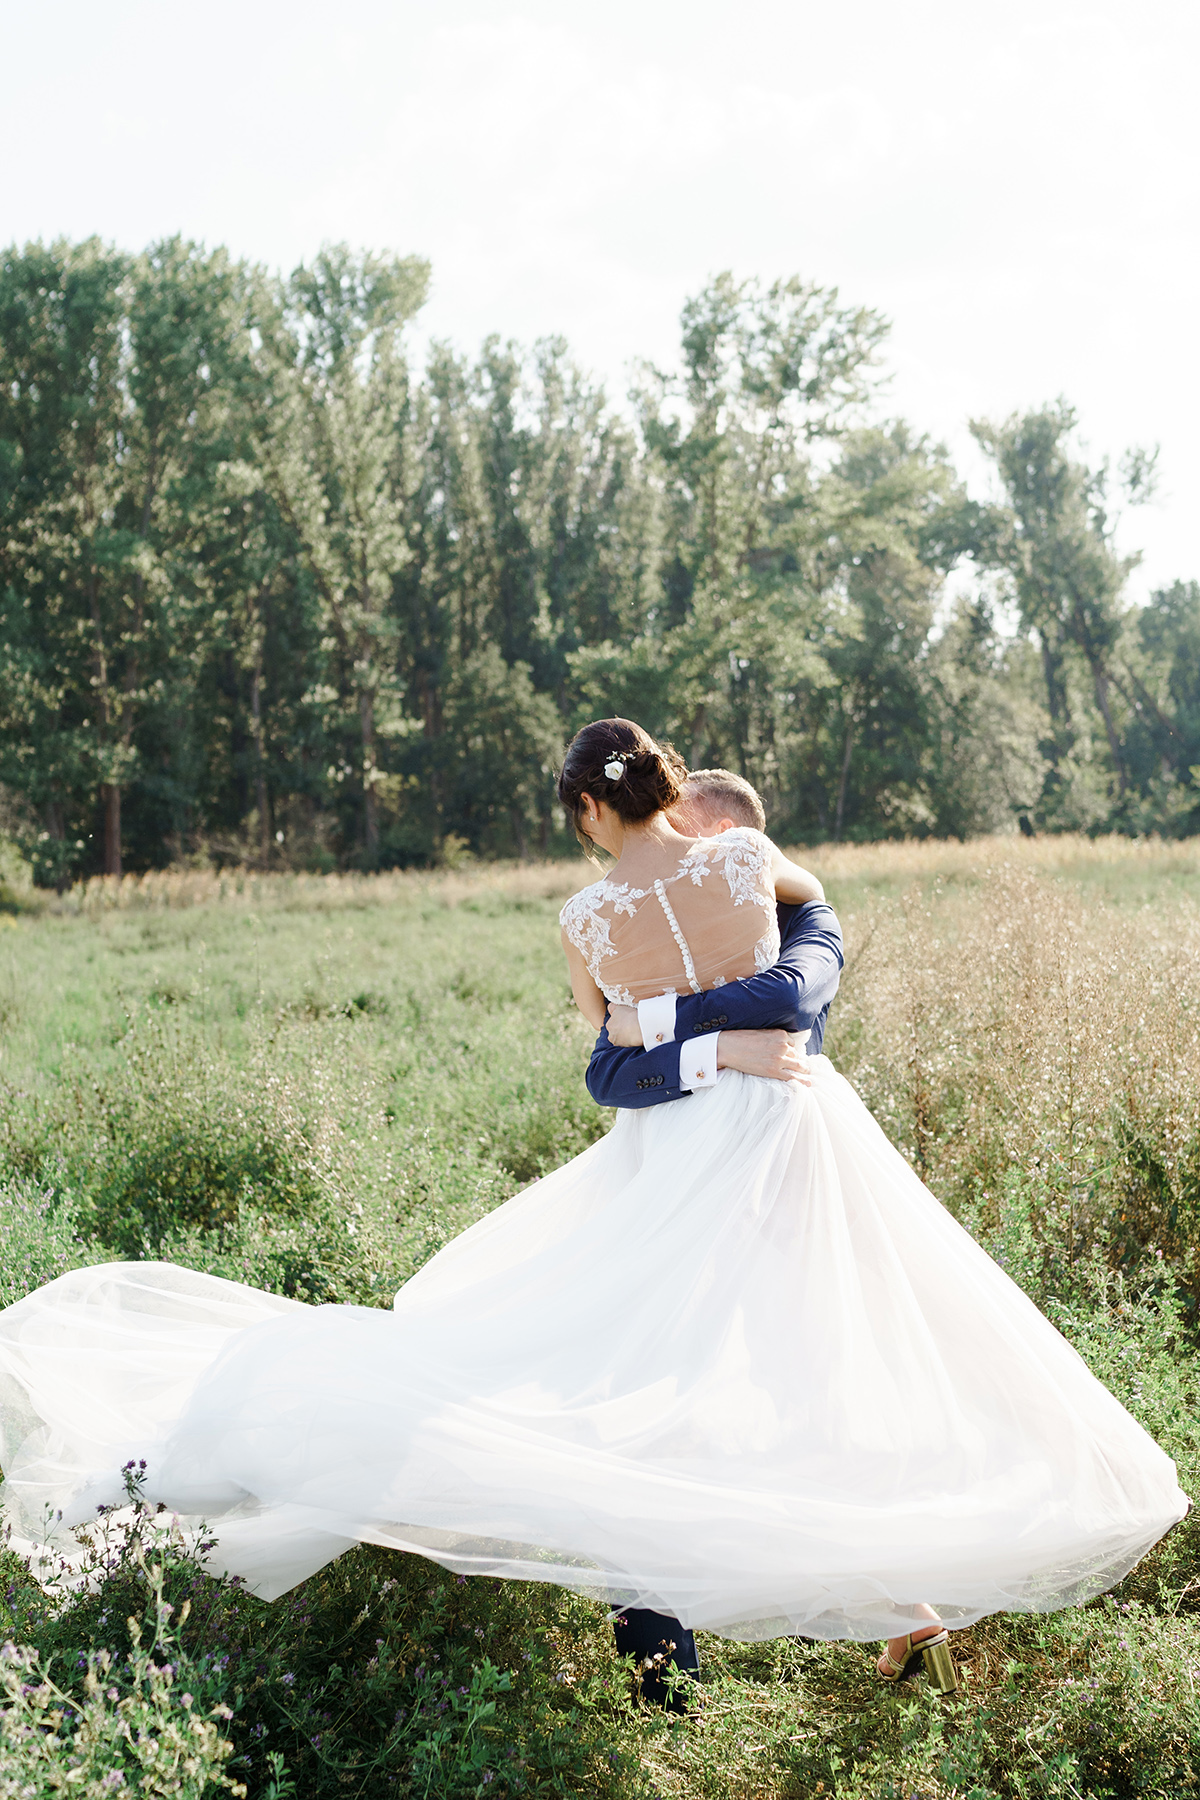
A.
pixel 789 996
pixel 633 1078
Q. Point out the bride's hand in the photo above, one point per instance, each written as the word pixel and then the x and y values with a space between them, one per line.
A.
pixel 775 1054
pixel 623 1027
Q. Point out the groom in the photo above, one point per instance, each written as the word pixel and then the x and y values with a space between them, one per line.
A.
pixel 673 1045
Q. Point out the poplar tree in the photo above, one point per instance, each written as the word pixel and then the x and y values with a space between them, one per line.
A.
pixel 336 460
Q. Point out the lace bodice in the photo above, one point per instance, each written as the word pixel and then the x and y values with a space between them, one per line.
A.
pixel 710 920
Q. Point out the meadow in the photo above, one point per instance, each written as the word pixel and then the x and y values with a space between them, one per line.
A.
pixel 311 1083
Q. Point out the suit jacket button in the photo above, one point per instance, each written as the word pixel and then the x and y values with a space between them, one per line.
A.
pixel 723 1020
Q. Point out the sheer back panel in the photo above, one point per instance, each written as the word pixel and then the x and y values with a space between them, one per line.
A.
pixel 707 919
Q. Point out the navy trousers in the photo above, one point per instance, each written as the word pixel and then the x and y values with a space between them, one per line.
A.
pixel 655 1640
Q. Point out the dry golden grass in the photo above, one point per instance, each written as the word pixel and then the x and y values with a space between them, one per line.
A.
pixel 1069 855
pixel 1023 1039
pixel 841 866
pixel 252 890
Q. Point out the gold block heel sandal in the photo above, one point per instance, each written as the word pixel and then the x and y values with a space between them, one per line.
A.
pixel 934 1652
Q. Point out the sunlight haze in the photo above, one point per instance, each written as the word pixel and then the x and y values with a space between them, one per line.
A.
pixel 1016 188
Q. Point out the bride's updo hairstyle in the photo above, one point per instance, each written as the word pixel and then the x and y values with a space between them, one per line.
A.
pixel 614 760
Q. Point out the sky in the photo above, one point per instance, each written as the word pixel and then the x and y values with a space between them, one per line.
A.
pixel 1016 187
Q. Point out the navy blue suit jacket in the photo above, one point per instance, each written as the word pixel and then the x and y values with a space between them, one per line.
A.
pixel 794 995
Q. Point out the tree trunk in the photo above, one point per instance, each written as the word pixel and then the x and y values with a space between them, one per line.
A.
pixel 1100 680
pixel 1056 697
pixel 1144 701
pixel 260 764
pixel 843 782
pixel 112 829
pixel 366 715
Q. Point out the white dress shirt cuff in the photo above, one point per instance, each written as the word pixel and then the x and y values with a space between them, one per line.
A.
pixel 657 1020
pixel 698 1062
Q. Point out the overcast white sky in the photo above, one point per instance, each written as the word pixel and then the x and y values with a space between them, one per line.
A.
pixel 1015 186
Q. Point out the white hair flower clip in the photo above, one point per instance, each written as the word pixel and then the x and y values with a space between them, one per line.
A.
pixel 615 769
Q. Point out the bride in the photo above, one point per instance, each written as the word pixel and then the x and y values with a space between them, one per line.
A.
pixel 734 1363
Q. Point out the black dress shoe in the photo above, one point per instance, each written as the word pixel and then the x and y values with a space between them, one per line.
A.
pixel 657 1643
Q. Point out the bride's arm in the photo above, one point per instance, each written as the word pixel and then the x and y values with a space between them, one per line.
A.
pixel 793 885
pixel 588 997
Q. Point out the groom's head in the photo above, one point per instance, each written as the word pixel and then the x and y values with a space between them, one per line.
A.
pixel 714 800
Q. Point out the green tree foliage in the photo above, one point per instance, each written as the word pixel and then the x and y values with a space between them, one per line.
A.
pixel 269 593
pixel 1120 684
pixel 337 464
pixel 116 415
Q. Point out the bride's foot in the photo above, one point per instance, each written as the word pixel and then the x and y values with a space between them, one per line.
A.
pixel 929 1642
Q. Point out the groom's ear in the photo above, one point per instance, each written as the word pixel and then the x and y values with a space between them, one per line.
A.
pixel 720 826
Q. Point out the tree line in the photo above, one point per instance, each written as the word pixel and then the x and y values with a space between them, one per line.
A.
pixel 270 592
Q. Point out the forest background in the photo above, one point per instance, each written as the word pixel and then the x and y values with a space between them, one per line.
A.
pixel 271 594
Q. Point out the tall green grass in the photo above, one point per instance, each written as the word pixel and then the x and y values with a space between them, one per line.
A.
pixel 312 1086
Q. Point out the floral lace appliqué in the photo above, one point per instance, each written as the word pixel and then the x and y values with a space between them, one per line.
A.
pixel 587 928
pixel 740 856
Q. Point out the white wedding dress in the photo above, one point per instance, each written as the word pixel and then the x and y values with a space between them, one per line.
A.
pixel 734 1363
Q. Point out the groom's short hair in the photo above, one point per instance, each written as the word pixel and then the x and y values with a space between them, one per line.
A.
pixel 722 793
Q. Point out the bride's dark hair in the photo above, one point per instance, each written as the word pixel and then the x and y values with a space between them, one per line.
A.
pixel 614 760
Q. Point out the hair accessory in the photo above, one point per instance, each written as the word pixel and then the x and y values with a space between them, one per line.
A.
pixel 615 768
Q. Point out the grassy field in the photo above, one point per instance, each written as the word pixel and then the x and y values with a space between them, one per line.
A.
pixel 311 1083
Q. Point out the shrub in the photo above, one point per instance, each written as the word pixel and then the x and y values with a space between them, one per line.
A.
pixel 184 1140
pixel 39 1238
pixel 146 1721
pixel 382 1669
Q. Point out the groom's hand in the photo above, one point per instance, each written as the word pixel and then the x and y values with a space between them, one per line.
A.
pixel 778 1055
pixel 623 1027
